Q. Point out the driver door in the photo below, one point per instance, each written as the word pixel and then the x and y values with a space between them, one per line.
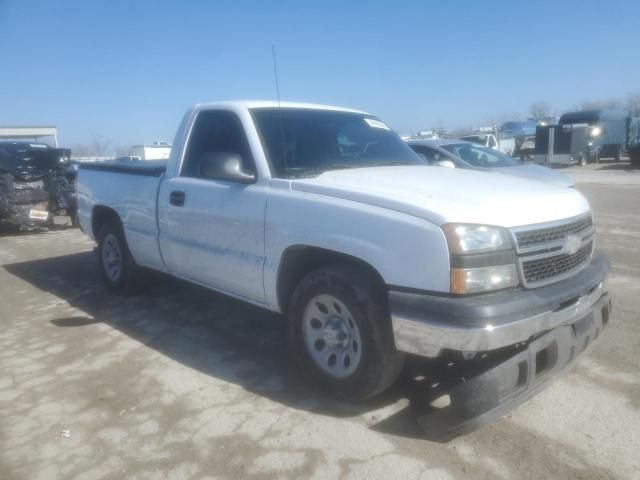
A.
pixel 212 230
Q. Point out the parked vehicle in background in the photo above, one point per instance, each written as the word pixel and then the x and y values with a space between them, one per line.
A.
pixel 491 140
pixel 428 134
pixel 468 155
pixel 633 140
pixel 325 215
pixel 562 145
pixel 155 151
pixel 523 134
pixel 129 158
pixel 37 182
pixel 607 131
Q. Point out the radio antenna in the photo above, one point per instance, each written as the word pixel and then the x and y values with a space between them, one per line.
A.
pixel 275 71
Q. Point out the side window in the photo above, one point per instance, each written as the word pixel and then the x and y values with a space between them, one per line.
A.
pixel 433 156
pixel 216 131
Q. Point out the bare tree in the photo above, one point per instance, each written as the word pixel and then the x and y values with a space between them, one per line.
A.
pixel 633 104
pixel 121 150
pixel 100 146
pixel 611 104
pixel 461 131
pixel 97 147
pixel 539 110
pixel 81 150
pixel 439 129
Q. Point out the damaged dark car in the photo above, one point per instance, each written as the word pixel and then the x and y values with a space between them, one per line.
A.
pixel 37 183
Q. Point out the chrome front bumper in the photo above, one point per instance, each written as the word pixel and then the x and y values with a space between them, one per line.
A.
pixel 482 391
pixel 428 325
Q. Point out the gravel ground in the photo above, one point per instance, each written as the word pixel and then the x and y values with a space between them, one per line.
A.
pixel 184 383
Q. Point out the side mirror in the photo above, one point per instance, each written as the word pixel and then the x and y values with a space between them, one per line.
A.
pixel 224 166
pixel 446 163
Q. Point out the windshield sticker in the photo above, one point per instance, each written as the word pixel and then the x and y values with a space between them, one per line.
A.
pixel 376 123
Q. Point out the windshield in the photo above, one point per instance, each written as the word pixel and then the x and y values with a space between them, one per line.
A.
pixel 475 139
pixel 480 157
pixel 579 118
pixel 20 148
pixel 301 142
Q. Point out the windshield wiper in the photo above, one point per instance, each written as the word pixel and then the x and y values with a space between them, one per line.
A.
pixel 314 172
pixel 396 164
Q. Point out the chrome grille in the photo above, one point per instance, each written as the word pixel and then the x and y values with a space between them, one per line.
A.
pixel 548 253
pixel 540 270
pixel 530 238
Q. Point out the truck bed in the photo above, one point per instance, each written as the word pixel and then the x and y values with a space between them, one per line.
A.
pixel 131 190
pixel 153 168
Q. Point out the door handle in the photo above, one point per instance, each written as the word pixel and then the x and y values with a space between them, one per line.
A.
pixel 176 198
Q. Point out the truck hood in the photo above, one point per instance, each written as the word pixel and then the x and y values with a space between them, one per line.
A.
pixel 537 172
pixel 444 195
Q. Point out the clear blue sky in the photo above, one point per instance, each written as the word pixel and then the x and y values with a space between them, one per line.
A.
pixel 127 70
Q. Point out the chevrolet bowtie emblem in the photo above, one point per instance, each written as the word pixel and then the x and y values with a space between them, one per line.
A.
pixel 572 244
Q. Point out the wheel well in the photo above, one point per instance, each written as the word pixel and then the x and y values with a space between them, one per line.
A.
pixel 100 216
pixel 298 261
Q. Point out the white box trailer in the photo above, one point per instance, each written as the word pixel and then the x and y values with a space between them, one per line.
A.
pixel 155 151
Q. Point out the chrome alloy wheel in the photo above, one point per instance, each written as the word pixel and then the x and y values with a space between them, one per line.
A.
pixel 331 336
pixel 112 257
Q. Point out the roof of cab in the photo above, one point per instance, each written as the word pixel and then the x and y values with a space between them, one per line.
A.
pixel 585 116
pixel 272 104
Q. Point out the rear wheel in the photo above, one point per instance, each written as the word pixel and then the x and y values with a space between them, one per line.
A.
pixel 119 271
pixel 341 332
pixel 75 222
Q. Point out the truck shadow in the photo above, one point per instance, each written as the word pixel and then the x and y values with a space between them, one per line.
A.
pixel 247 347
pixel 226 339
pixel 624 167
pixel 15 231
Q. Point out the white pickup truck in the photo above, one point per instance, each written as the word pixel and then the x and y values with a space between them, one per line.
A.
pixel 325 215
pixel 503 144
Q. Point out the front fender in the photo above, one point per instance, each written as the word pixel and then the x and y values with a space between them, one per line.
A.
pixel 406 251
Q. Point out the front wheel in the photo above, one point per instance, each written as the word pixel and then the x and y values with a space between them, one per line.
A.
pixel 341 332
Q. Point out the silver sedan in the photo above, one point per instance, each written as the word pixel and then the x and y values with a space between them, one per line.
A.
pixel 461 154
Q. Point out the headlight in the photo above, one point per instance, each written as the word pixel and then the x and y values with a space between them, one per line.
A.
pixel 463 239
pixel 482 258
pixel 483 279
pixel 596 131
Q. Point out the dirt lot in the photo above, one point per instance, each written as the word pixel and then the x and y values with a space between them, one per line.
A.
pixel 184 383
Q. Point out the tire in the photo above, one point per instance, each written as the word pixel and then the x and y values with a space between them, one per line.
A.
pixel 352 325
pixel 123 277
pixel 582 160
